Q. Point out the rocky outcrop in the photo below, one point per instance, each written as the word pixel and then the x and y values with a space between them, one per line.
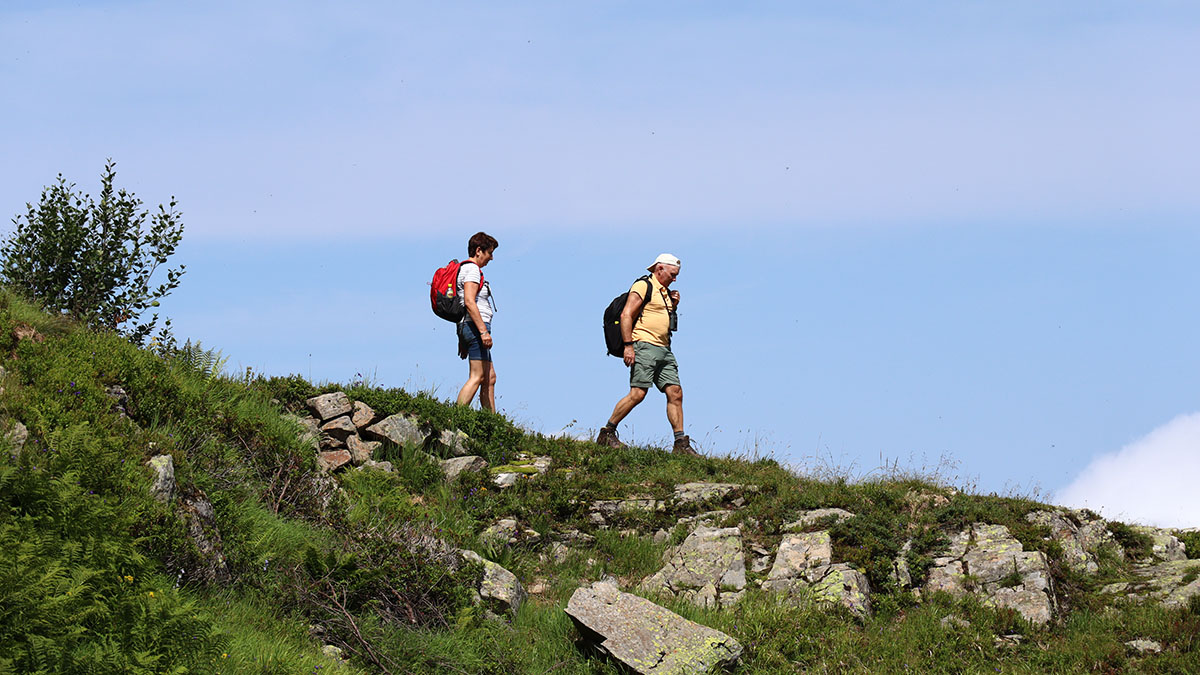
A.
pixel 201 523
pixel 1079 535
pixel 707 569
pixel 645 637
pixel 804 569
pixel 1173 583
pixel 698 493
pixel 1164 545
pixel 826 517
pixel 987 561
pixel 602 511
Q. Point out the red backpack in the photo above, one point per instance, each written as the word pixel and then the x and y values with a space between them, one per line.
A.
pixel 443 292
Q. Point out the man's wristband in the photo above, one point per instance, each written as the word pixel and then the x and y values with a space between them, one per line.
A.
pixel 627 344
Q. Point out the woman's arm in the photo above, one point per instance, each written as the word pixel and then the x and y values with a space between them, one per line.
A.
pixel 470 293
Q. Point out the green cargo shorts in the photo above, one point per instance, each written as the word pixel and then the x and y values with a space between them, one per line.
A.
pixel 652 365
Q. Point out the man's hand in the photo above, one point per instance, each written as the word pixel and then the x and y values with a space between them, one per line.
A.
pixel 675 298
pixel 628 355
pixel 486 339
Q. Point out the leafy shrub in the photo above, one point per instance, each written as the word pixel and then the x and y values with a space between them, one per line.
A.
pixel 93 260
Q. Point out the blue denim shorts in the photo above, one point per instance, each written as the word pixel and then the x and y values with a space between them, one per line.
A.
pixel 470 342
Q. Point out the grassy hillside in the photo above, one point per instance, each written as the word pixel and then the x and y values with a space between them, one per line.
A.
pixel 100 577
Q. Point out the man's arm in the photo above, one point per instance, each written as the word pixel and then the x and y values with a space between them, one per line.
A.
pixel 632 301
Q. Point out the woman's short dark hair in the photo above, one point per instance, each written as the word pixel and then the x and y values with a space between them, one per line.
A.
pixel 481 240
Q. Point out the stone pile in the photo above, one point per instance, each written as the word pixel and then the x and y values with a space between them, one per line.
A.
pixel 345 432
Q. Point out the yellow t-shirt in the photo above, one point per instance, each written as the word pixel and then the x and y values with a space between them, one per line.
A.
pixel 655 325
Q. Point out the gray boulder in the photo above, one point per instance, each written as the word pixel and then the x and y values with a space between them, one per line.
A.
pixel 17 436
pixel 456 465
pixel 162 486
pixel 804 569
pixel 988 562
pixel 397 429
pixel 1165 546
pixel 201 523
pixel 698 493
pixel 500 591
pixel 451 443
pixel 645 637
pixel 809 518
pixel 603 510
pixel 328 406
pixel 707 569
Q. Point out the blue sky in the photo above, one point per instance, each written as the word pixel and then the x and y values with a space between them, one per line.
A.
pixel 961 230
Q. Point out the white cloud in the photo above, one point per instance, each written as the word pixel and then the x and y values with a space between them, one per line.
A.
pixel 1151 481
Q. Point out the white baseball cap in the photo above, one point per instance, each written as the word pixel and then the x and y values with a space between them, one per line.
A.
pixel 665 258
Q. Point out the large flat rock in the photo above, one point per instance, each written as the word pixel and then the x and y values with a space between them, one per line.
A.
pixel 645 637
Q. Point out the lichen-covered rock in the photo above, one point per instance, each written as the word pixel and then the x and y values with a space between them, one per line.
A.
pixel 603 510
pixel 310 430
pixel 399 430
pixel 1164 545
pixel 162 486
pixel 1173 583
pixel 17 436
pixel 1143 646
pixel 201 523
pixel 1078 535
pixel 456 465
pixel 332 460
pixel 505 480
pixel 360 450
pixel 645 637
pixel 697 493
pixel 809 518
pixel 451 443
pixel 328 406
pixel 335 432
pixel 707 569
pixel 803 569
pixel 987 561
pixel 499 590
pixel 800 552
pixel 362 415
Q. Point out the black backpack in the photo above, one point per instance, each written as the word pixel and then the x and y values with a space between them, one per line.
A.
pixel 612 319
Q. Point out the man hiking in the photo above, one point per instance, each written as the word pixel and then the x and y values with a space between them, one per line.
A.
pixel 646 336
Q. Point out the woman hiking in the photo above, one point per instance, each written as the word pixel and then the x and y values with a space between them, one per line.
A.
pixel 475 329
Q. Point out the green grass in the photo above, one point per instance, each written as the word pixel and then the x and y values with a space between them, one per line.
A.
pixel 350 564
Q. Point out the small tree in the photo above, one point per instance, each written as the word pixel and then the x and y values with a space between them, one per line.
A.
pixel 93 260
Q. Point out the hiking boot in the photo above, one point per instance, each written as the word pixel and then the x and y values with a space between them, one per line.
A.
pixel 683 446
pixel 608 437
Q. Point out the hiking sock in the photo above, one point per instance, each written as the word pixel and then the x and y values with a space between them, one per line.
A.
pixel 678 435
pixel 611 426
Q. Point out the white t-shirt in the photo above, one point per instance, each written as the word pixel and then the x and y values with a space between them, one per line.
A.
pixel 469 271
